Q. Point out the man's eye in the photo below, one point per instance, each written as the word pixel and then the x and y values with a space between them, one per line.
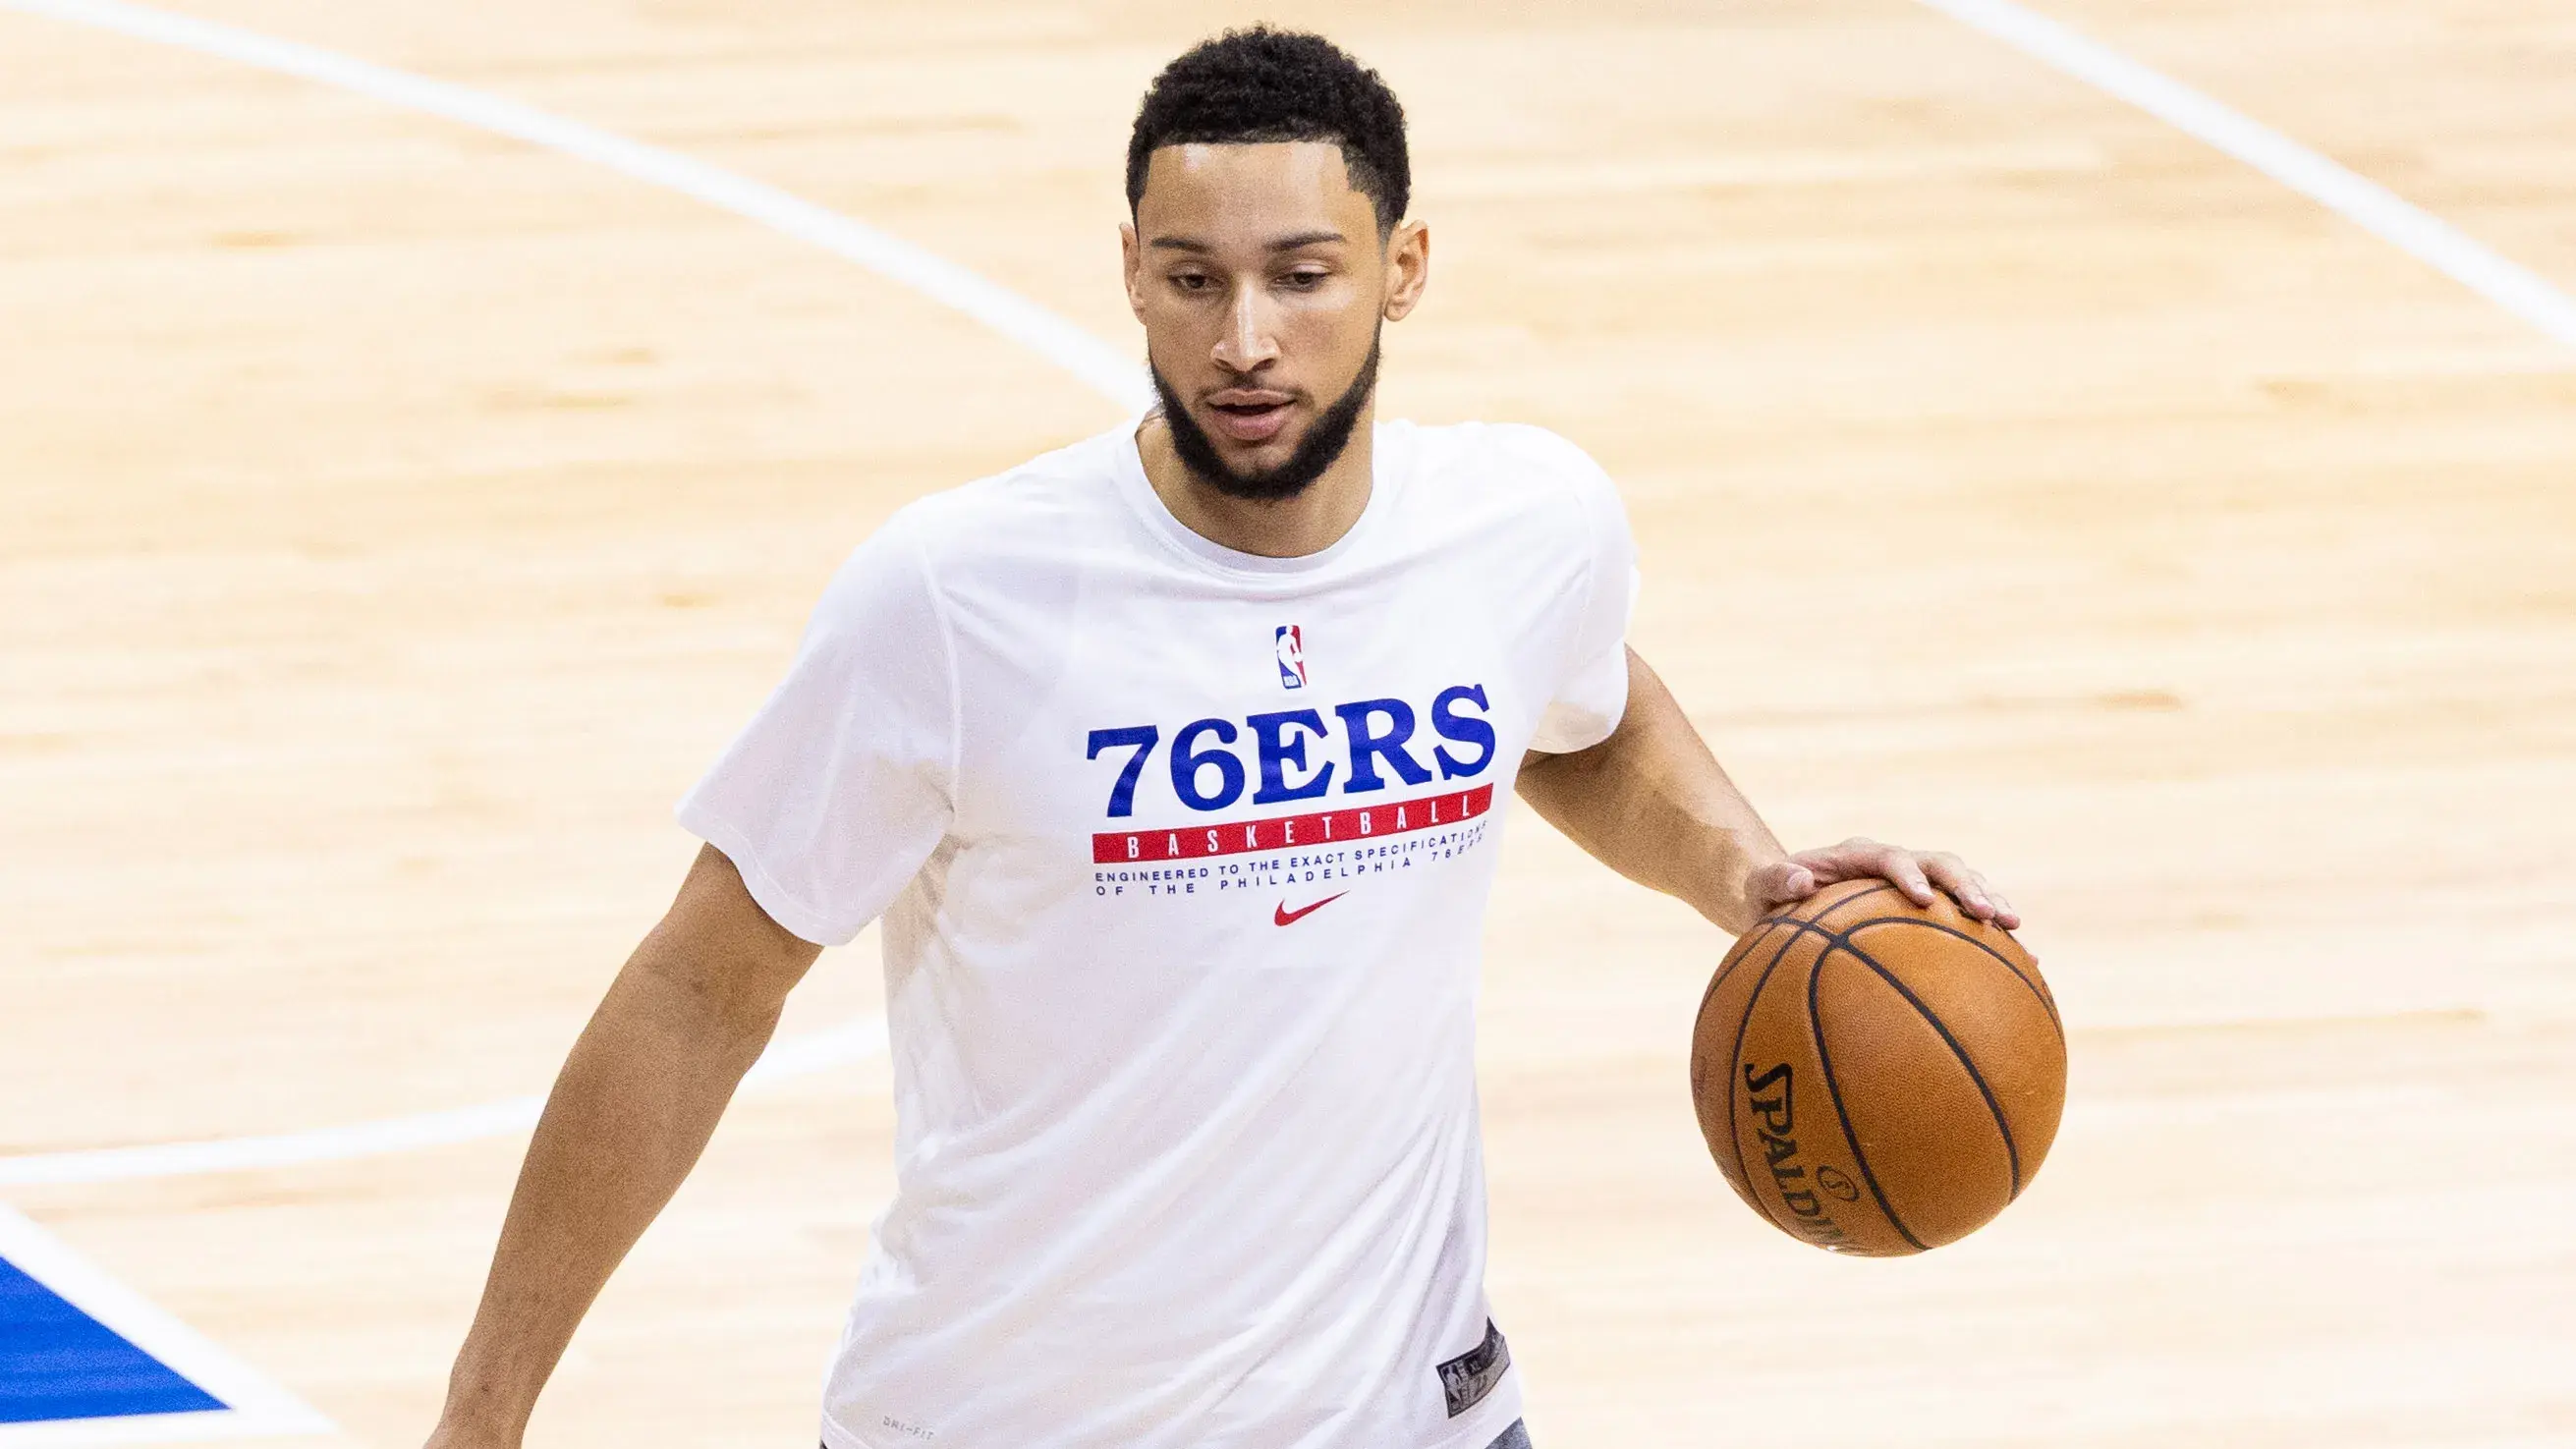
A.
pixel 1304 281
pixel 1192 281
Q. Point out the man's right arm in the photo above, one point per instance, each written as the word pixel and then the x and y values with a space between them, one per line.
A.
pixel 629 1115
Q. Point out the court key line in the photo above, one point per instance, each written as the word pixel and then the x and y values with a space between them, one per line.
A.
pixel 2367 204
pixel 803 1056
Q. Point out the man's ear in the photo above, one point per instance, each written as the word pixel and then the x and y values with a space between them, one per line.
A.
pixel 1408 268
pixel 1131 259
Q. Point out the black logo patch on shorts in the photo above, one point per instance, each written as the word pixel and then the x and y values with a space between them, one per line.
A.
pixel 1466 1379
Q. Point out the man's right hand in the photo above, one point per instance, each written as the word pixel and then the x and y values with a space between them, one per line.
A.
pixel 443 1437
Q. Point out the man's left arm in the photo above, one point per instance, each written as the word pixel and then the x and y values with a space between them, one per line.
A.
pixel 1652 803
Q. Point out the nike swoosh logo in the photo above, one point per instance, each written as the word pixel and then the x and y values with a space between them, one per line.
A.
pixel 1286 917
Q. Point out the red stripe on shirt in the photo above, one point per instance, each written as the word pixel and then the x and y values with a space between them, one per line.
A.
pixel 1291 832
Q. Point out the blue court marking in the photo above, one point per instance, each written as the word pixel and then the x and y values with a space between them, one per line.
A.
pixel 87 1362
pixel 57 1362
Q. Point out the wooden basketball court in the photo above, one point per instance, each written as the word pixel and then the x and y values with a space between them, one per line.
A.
pixel 398 516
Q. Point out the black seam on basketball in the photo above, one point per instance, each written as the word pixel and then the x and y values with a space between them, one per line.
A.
pixel 2038 988
pixel 1825 1060
pixel 1786 917
pixel 1747 946
pixel 2012 1152
pixel 1752 940
pixel 2018 974
pixel 1735 1055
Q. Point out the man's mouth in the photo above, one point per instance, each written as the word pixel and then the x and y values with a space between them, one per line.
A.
pixel 1250 415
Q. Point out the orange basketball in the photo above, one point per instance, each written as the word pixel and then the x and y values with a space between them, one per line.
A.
pixel 1875 1077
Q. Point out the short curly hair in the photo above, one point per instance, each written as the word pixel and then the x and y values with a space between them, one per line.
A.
pixel 1261 84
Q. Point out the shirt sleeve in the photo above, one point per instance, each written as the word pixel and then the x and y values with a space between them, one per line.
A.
pixel 841 786
pixel 1592 693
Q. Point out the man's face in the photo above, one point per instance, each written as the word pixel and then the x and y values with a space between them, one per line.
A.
pixel 1260 278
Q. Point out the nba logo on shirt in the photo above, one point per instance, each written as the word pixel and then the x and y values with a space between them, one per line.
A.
pixel 1291 648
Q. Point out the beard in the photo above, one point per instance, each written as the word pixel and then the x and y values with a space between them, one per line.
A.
pixel 1318 450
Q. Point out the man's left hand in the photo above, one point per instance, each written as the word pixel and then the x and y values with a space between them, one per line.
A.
pixel 1918 873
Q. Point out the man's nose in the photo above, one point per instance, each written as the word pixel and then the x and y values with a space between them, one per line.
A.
pixel 1247 342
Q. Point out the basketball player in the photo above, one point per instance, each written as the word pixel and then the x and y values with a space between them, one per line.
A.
pixel 1173 763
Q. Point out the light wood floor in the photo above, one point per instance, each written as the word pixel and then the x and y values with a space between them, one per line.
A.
pixel 394 519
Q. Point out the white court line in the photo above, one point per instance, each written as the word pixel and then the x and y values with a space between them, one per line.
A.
pixel 257 1408
pixel 822 1050
pixel 1098 365
pixel 2364 202
pixel 1107 371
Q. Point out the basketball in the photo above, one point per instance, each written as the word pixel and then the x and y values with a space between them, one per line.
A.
pixel 1877 1077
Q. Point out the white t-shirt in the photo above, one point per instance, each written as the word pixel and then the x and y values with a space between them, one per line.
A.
pixel 1183 855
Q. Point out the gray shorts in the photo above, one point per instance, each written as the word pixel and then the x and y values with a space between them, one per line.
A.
pixel 1514 1437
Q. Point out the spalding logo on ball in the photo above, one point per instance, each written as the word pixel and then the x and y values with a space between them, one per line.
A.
pixel 1876 1077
